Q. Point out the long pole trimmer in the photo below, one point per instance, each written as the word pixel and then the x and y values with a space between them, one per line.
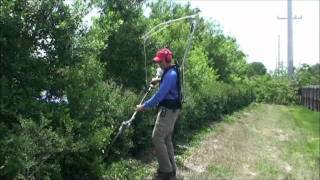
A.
pixel 126 124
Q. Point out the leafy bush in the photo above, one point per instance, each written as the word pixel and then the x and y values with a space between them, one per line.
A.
pixel 279 90
pixel 199 72
pixel 308 75
pixel 29 150
pixel 207 99
pixel 126 169
pixel 66 137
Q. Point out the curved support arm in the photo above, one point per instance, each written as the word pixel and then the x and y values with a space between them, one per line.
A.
pixel 155 29
pixel 193 29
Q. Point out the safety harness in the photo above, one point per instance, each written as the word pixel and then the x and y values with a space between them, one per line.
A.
pixel 173 103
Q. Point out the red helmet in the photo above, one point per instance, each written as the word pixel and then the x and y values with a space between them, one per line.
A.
pixel 165 54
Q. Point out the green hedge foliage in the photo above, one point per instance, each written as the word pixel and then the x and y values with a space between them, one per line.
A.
pixel 210 103
pixel 64 138
pixel 276 89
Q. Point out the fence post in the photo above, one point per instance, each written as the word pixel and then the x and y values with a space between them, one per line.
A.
pixel 314 98
pixel 310 97
pixel 304 96
pixel 317 99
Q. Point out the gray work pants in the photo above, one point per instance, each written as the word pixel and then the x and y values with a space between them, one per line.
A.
pixel 161 138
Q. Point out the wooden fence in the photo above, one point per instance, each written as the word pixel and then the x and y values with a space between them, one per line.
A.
pixel 310 97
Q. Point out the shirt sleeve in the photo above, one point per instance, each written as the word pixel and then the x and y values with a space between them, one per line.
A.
pixel 167 83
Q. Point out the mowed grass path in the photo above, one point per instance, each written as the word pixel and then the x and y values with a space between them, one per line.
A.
pixel 261 142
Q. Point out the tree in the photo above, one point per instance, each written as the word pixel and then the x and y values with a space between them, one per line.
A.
pixel 308 75
pixel 200 73
pixel 224 54
pixel 123 54
pixel 36 40
pixel 57 109
pixel 256 69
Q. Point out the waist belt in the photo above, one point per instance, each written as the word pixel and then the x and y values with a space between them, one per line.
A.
pixel 171 104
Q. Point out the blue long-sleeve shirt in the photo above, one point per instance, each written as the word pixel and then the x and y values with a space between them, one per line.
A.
pixel 168 90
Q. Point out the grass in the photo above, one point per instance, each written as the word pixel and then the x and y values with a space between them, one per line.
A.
pixel 308 121
pixel 220 171
pixel 304 151
pixel 299 150
pixel 128 169
pixel 267 169
pixel 195 142
pixel 203 133
pixel 261 141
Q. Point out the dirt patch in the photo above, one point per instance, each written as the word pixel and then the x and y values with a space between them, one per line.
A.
pixel 246 149
pixel 230 148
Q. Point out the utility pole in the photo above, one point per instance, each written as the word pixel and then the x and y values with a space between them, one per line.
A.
pixel 278 70
pixel 290 39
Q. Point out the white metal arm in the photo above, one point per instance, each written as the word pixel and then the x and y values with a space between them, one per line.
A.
pixel 155 29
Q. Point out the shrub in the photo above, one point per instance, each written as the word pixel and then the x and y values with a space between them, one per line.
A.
pixel 209 103
pixel 279 90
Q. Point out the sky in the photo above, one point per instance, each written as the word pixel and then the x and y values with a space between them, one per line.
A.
pixel 256 28
pixel 254 25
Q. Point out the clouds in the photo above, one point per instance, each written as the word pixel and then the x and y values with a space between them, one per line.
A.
pixel 255 26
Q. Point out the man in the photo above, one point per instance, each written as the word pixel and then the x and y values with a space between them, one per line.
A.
pixel 168 98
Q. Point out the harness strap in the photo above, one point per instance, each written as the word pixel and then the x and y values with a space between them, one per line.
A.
pixel 174 103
